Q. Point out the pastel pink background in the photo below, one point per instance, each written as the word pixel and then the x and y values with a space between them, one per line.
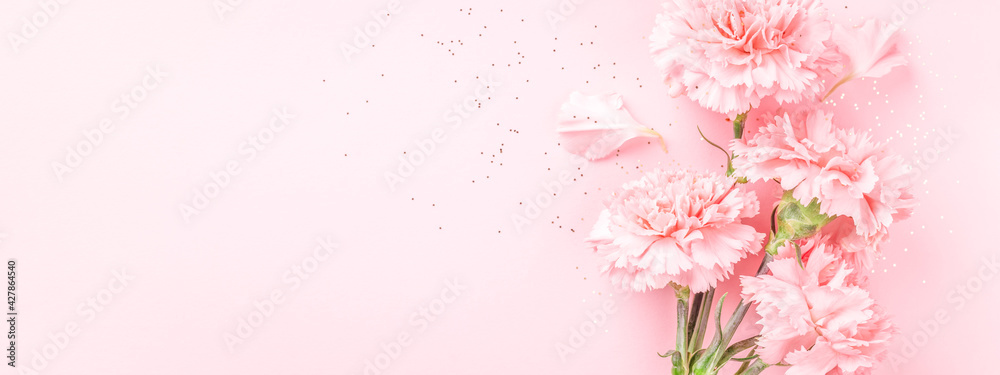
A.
pixel 527 291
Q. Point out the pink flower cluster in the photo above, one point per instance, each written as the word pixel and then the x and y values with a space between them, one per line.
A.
pixel 842 190
pixel 676 227
pixel 818 318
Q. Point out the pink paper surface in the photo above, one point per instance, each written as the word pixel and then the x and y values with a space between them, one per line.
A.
pixel 473 261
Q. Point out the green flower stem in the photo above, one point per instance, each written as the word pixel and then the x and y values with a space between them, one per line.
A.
pixel 680 357
pixel 746 364
pixel 744 306
pixel 696 305
pixel 738 124
pixel 701 320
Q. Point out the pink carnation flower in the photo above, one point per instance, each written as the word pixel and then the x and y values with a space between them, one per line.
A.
pixel 845 257
pixel 814 320
pixel 848 173
pixel 729 54
pixel 676 226
pixel 856 251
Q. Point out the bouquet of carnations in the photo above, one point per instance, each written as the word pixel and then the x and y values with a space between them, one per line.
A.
pixel 684 229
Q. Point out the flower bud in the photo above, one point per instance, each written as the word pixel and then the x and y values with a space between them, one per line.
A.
pixel 795 221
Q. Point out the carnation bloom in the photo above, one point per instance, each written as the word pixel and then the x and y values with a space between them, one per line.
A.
pixel 729 54
pixel 593 126
pixel 814 320
pixel 676 226
pixel 853 261
pixel 848 173
pixel 856 251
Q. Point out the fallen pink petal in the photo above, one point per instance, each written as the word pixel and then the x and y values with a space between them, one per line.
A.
pixel 594 126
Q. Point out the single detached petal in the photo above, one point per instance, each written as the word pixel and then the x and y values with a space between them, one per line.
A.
pixel 870 50
pixel 594 126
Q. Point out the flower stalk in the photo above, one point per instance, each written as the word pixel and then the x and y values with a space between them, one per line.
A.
pixel 738 124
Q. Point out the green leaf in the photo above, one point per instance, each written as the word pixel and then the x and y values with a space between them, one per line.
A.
pixel 754 368
pixel 667 354
pixel 798 255
pixel 707 360
pixel 745 359
pixel 713 143
pixel 697 355
pixel 678 368
pixel 680 356
pixel 744 366
pixel 718 314
pixel 736 348
pixel 729 158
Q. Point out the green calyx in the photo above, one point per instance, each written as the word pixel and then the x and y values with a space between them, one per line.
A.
pixel 795 221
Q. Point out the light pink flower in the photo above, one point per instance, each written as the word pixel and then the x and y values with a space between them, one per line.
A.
pixel 594 126
pixel 814 320
pixel 868 51
pixel 856 251
pixel 729 54
pixel 676 226
pixel 845 170
pixel 854 261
